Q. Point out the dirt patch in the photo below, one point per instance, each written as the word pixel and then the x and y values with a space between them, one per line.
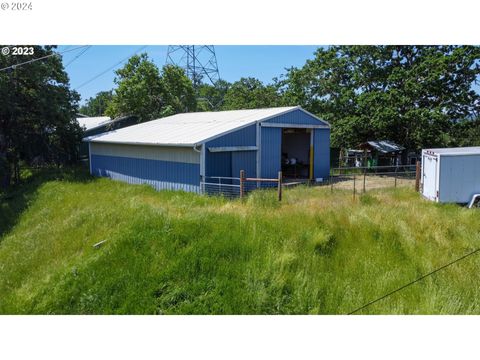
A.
pixel 370 182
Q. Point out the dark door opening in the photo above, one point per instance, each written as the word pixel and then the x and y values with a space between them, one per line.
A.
pixel 296 153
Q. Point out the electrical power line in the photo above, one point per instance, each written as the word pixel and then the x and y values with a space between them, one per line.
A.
pixel 40 58
pixel 76 57
pixel 110 68
pixel 414 281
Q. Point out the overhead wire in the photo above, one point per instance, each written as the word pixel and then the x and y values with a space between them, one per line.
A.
pixel 76 57
pixel 414 281
pixel 40 58
pixel 109 68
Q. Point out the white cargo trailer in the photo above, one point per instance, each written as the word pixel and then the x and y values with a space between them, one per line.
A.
pixel 451 175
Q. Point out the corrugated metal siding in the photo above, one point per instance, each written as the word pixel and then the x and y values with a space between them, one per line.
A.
pixel 163 153
pixel 459 178
pixel 321 153
pixel 295 117
pixel 92 132
pixel 271 152
pixel 242 137
pixel 115 124
pixel 159 174
pixel 244 160
pixel 220 164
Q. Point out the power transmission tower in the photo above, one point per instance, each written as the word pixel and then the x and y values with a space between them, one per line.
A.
pixel 198 61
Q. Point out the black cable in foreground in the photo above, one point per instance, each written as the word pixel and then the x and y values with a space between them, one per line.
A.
pixel 413 282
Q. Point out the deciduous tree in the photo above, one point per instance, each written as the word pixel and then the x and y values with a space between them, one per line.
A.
pixel 144 91
pixel 97 105
pixel 250 93
pixel 37 112
pixel 412 95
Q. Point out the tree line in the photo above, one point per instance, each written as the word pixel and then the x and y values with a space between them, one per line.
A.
pixel 37 113
pixel 417 96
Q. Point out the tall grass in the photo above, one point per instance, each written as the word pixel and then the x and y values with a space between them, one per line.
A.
pixel 166 252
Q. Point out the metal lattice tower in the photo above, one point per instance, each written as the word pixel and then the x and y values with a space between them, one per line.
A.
pixel 198 61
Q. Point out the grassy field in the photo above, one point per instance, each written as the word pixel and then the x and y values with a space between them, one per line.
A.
pixel 175 253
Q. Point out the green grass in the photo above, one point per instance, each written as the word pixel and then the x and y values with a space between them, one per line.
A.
pixel 176 253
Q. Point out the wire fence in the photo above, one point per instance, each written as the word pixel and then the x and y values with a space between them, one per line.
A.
pixel 353 179
pixel 356 180
pixel 363 179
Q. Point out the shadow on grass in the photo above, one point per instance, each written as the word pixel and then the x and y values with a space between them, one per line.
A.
pixel 16 199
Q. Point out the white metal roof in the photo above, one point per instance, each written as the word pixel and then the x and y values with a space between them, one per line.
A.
pixel 188 129
pixel 473 150
pixel 93 122
pixel 385 146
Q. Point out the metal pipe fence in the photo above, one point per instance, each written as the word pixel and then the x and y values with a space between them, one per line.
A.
pixel 232 187
pixel 219 185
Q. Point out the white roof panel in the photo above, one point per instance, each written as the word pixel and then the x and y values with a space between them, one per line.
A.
pixel 473 150
pixel 385 146
pixel 93 122
pixel 187 129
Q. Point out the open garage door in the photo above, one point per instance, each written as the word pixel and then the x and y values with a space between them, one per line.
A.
pixel 297 154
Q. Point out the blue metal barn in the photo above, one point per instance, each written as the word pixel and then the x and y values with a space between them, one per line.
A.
pixel 181 151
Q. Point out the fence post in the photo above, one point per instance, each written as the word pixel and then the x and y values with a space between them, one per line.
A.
pixel 364 178
pixel 417 176
pixel 279 186
pixel 354 185
pixel 396 176
pixel 242 182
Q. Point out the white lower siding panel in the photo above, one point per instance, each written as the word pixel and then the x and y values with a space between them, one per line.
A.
pixel 156 184
pixel 162 153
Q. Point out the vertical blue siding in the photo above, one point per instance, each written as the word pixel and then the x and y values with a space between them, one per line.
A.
pixel 159 174
pixel 244 160
pixel 242 137
pixel 272 142
pixel 271 152
pixel 321 153
pixel 295 117
pixel 218 164
pixel 222 164
pixel 166 168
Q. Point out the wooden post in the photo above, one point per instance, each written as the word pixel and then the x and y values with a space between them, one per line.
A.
pixel 396 176
pixel 354 186
pixel 242 183
pixel 364 178
pixel 417 176
pixel 279 186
